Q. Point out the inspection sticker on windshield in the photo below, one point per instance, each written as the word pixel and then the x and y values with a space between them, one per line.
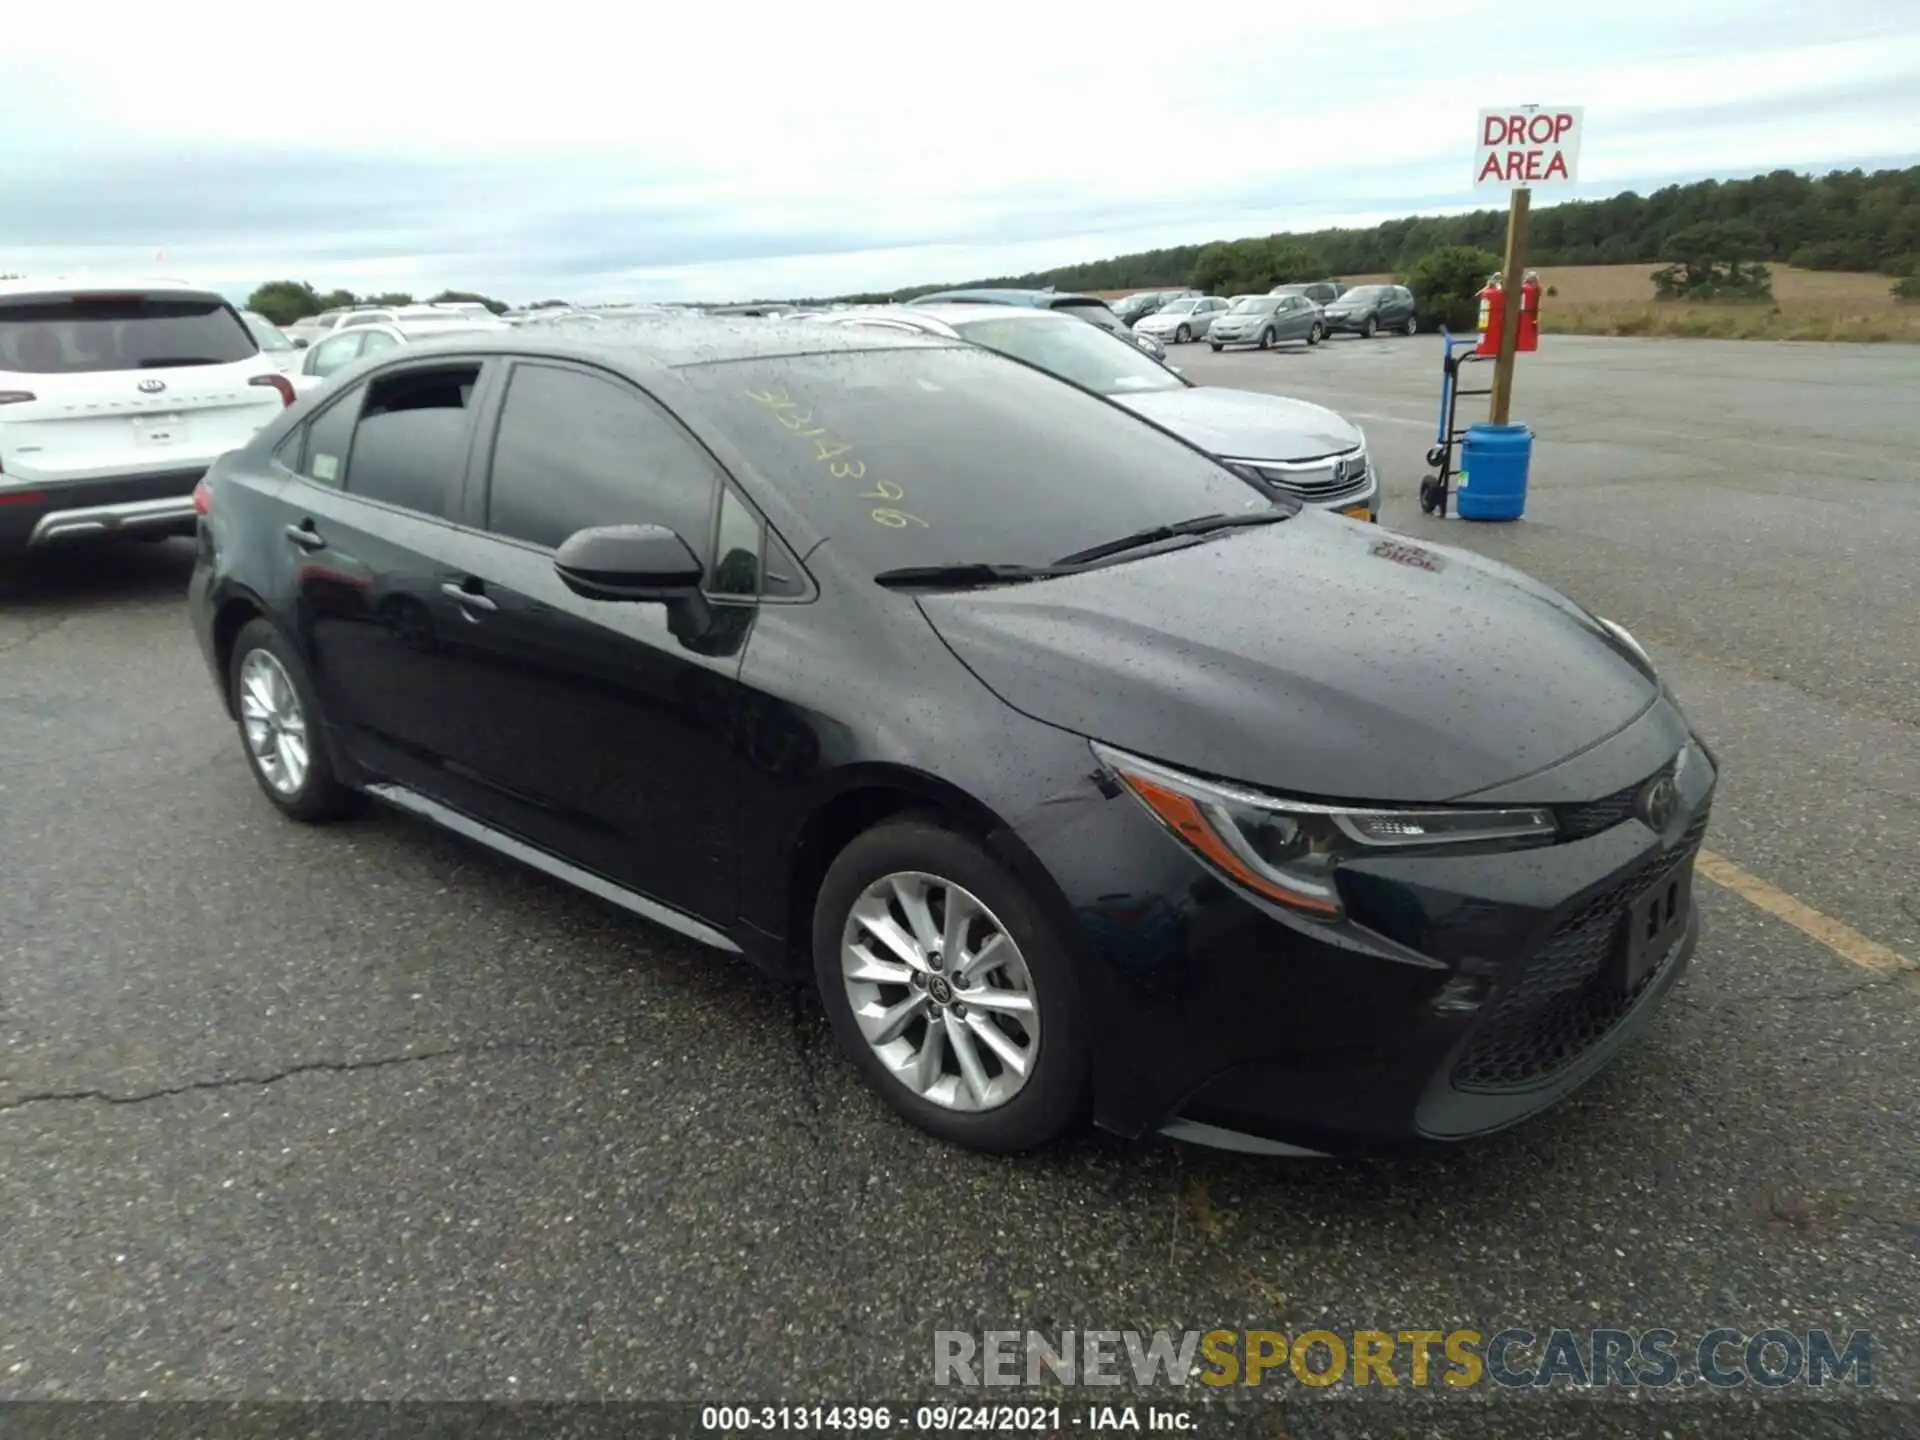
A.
pixel 1403 554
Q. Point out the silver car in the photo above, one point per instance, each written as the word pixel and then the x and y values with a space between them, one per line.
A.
pixel 1269 320
pixel 355 342
pixel 1293 448
pixel 1178 321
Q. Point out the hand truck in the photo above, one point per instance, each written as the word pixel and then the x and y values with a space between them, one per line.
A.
pixel 1434 487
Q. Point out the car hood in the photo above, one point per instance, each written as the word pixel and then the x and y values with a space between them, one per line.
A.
pixel 1317 656
pixel 1245 425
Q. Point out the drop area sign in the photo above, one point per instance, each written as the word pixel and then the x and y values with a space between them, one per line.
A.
pixel 1525 146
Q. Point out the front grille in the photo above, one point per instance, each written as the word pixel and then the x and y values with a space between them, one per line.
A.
pixel 1562 1002
pixel 1319 480
pixel 1577 822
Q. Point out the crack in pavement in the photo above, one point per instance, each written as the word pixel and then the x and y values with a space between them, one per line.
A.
pixel 272 1077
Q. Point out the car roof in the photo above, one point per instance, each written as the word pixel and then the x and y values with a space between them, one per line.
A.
pixel 105 285
pixel 1038 299
pixel 670 342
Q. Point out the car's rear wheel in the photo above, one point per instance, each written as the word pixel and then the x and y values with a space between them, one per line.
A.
pixel 1182 335
pixel 948 990
pixel 1316 334
pixel 1368 328
pixel 280 726
pixel 1413 325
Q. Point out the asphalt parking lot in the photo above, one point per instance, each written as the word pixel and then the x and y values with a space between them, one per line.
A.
pixel 365 1112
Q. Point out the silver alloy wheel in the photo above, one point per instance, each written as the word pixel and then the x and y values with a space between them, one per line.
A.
pixel 275 725
pixel 940 991
pixel 1413 324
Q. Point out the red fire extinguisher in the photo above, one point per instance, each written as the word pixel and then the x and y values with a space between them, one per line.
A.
pixel 1530 313
pixel 1493 309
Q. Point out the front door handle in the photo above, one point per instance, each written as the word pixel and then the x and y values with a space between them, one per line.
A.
pixel 468 599
pixel 306 537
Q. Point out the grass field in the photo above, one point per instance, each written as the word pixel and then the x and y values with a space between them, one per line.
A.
pixel 1807 305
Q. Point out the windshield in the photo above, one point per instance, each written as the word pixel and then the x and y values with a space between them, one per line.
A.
pixel 81 334
pixel 1255 304
pixel 1079 353
pixel 908 457
pixel 1181 307
pixel 263 330
pixel 1364 292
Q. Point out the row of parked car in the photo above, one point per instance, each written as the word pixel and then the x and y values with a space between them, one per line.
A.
pixel 1305 313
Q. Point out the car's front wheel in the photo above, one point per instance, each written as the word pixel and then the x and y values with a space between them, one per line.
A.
pixel 1316 334
pixel 1368 328
pixel 1216 347
pixel 1266 339
pixel 1182 335
pixel 947 988
pixel 280 726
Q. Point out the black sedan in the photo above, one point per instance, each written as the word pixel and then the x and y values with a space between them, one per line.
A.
pixel 1081 776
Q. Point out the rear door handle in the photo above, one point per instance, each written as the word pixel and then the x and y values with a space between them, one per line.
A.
pixel 468 599
pixel 306 537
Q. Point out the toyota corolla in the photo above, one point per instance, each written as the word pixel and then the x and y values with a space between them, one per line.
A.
pixel 1083 777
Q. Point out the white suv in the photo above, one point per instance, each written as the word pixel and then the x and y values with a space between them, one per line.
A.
pixel 114 400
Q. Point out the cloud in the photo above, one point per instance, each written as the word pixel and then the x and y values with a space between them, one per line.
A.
pixel 744 150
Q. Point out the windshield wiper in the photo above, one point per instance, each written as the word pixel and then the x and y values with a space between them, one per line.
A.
pixel 1153 534
pixel 963 577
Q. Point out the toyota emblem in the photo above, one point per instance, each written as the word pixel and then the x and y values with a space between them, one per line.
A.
pixel 1657 802
pixel 152 386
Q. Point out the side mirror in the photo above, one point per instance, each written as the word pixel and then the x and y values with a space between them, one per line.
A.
pixel 629 562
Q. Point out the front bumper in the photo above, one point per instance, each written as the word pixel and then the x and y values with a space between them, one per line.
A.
pixel 1347 324
pixel 1462 995
pixel 159 503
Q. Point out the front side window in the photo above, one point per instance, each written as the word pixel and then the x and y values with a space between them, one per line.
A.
pixel 269 339
pixel 737 550
pixel 577 450
pixel 334 354
pixel 410 447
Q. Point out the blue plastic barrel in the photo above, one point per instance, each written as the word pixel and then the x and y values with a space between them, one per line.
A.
pixel 1493 472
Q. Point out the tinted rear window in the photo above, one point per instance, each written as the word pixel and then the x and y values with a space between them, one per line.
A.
pixel 948 456
pixel 88 333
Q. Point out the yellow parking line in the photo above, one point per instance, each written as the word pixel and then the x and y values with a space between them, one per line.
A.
pixel 1843 940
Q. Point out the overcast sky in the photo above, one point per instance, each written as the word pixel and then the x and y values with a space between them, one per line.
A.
pixel 713 151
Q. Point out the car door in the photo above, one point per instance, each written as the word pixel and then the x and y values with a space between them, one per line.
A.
pixel 377 556
pixel 605 729
pixel 1293 317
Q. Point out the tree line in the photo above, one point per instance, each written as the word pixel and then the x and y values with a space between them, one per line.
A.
pixel 1845 220
pixel 285 301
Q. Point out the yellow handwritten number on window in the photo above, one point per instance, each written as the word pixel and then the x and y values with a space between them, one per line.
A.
pixel 897 519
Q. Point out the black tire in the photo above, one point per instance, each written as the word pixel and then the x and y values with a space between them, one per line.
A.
pixel 320 795
pixel 1216 346
pixel 1182 335
pixel 1316 334
pixel 1368 328
pixel 1413 325
pixel 1054 1095
pixel 1266 339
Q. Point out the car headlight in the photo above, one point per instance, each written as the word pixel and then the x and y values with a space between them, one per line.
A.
pixel 1625 637
pixel 1288 850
